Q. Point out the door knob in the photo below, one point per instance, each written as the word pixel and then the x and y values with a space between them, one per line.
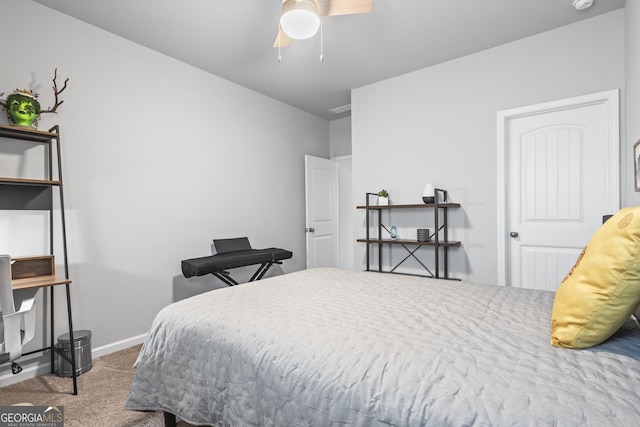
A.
pixel 514 234
pixel 310 230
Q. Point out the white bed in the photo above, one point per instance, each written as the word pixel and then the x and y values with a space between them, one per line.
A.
pixel 328 347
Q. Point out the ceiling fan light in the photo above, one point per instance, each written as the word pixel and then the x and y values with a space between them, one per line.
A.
pixel 300 19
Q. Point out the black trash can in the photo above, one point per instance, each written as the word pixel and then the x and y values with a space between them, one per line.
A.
pixel 82 346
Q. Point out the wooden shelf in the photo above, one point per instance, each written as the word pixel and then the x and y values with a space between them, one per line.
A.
pixel 410 242
pixel 411 206
pixel 38 282
pixel 35 272
pixel 28 181
pixel 27 134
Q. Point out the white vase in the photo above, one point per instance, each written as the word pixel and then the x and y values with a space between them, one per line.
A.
pixel 383 201
pixel 429 193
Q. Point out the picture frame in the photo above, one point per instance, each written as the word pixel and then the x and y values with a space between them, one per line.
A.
pixel 636 165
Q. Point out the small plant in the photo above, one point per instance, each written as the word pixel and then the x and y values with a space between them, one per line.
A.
pixel 383 193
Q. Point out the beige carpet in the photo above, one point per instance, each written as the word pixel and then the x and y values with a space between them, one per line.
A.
pixel 102 392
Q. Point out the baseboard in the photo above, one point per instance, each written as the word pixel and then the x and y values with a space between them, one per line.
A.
pixel 38 366
pixel 118 345
pixel 28 371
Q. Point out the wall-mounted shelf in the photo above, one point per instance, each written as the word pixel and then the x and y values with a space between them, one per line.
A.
pixel 439 239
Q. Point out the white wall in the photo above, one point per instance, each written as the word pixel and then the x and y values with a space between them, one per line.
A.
pixel 340 131
pixel 439 125
pixel 345 212
pixel 632 28
pixel 159 159
pixel 340 149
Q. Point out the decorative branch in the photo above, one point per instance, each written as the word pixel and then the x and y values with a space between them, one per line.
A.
pixel 56 92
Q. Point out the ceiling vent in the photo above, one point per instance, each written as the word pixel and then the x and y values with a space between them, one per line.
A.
pixel 342 109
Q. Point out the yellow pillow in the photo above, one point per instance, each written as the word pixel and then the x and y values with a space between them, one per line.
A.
pixel 603 287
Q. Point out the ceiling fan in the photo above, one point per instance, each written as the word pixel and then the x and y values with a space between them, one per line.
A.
pixel 300 19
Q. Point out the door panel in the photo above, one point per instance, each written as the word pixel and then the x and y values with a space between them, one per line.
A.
pixel 544 268
pixel 552 174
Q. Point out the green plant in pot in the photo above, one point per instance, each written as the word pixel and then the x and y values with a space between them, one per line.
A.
pixel 23 107
pixel 383 197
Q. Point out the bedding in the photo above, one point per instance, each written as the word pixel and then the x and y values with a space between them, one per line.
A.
pixel 328 347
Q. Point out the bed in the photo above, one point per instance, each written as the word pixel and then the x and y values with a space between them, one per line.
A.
pixel 329 347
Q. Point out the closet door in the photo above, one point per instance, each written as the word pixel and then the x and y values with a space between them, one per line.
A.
pixel 561 178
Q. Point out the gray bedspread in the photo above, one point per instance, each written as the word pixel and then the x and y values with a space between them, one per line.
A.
pixel 327 347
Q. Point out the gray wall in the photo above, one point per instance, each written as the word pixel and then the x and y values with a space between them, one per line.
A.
pixel 340 131
pixel 159 159
pixel 439 125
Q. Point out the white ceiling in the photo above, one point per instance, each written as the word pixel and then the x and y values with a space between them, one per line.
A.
pixel 233 39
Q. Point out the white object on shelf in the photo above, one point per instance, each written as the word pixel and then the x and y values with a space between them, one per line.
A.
pixel 428 195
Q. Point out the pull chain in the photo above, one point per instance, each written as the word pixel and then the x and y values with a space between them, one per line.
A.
pixel 279 54
pixel 321 43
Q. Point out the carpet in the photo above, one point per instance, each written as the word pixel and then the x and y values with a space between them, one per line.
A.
pixel 102 392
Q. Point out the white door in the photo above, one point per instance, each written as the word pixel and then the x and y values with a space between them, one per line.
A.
pixel 321 191
pixel 562 173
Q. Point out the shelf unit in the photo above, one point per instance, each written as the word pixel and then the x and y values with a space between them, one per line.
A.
pixel 439 240
pixel 38 194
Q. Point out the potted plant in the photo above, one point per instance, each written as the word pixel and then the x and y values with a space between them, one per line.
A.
pixel 383 197
pixel 23 108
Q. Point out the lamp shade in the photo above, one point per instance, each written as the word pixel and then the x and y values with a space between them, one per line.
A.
pixel 300 19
